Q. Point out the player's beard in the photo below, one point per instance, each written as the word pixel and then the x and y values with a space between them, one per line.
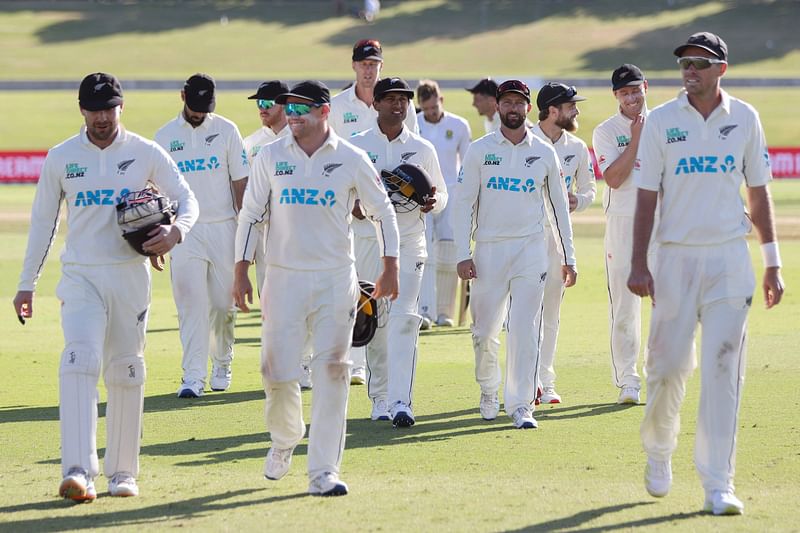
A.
pixel 568 124
pixel 512 120
pixel 103 133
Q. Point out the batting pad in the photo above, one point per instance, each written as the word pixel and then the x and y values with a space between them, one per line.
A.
pixel 124 379
pixel 446 278
pixel 77 408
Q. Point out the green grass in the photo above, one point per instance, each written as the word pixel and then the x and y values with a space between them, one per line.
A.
pixel 580 471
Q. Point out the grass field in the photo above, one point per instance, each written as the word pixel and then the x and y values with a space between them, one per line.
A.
pixel 580 471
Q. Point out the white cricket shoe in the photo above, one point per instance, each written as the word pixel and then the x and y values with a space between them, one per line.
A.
pixel 380 410
pixel 305 378
pixel 220 377
pixel 425 323
pixel 628 395
pixel 277 463
pixel 723 502
pixel 658 477
pixel 523 418
pixel 445 321
pixel 402 417
pixel 191 389
pixel 123 484
pixel 327 484
pixel 358 376
pixel 489 406
pixel 549 395
pixel 77 486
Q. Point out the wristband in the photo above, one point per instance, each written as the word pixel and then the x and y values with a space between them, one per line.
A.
pixel 770 254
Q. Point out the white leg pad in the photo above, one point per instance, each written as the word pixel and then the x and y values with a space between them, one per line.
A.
pixel 78 375
pixel 124 377
pixel 446 278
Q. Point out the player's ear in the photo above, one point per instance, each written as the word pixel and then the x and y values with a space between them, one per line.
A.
pixel 183 96
pixel 325 110
pixel 644 87
pixel 529 107
pixel 723 68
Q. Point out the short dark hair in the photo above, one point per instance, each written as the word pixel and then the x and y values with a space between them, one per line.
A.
pixel 544 113
pixel 427 89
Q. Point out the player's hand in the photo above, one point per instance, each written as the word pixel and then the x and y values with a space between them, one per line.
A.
pixel 430 201
pixel 640 283
pixel 23 305
pixel 242 288
pixel 569 275
pixel 158 262
pixel 773 287
pixel 357 212
pixel 573 202
pixel 636 127
pixel 162 239
pixel 466 270
pixel 388 283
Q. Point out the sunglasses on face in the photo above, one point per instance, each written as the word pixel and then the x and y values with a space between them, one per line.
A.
pixel 265 104
pixel 569 93
pixel 513 85
pixel 699 63
pixel 299 110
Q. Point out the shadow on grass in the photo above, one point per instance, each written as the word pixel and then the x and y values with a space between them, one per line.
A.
pixel 573 523
pixel 160 514
pixel 555 414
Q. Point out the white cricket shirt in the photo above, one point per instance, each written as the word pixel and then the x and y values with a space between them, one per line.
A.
pixel 304 204
pixel 350 115
pixel 408 147
pixel 576 163
pixel 260 137
pixel 91 181
pixel 450 137
pixel 699 166
pixel 210 157
pixel 503 191
pixel 609 139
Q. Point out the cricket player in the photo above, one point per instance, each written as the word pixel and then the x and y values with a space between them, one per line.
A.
pixel 558 121
pixel 515 178
pixel 352 112
pixel 105 285
pixel 696 151
pixel 392 353
pixel 450 135
pixel 484 100
pixel 209 152
pixel 302 193
pixel 615 144
pixel 273 119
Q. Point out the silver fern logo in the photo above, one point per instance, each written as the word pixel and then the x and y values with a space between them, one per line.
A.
pixel 330 167
pixel 531 160
pixel 122 166
pixel 724 131
pixel 210 139
pixel 406 156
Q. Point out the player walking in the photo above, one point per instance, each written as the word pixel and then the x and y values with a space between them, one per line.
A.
pixel 392 354
pixel 208 149
pixel 273 119
pixel 698 147
pixel 558 121
pixel 484 100
pixel 615 143
pixel 451 136
pixel 105 287
pixel 515 177
pixel 302 192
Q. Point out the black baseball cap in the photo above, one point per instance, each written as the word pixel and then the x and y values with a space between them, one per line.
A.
pixel 555 93
pixel 367 49
pixel 626 75
pixel 199 93
pixel 707 41
pixel 312 90
pixel 391 85
pixel 486 86
pixel 99 91
pixel 269 90
pixel 513 86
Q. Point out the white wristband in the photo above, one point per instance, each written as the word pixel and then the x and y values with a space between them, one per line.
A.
pixel 770 254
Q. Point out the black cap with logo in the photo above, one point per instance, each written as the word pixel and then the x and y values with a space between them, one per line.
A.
pixel 555 93
pixel 367 49
pixel 99 91
pixel 199 93
pixel 514 86
pixel 312 90
pixel 391 85
pixel 626 75
pixel 487 86
pixel 707 41
pixel 269 90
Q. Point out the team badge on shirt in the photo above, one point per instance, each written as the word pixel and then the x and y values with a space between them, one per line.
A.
pixel 122 166
pixel 530 160
pixel 405 156
pixel 724 131
pixel 448 134
pixel 568 158
pixel 210 139
pixel 330 167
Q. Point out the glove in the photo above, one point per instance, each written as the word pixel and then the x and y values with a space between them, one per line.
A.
pixel 139 212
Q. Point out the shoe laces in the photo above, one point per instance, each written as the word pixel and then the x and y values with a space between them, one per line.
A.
pixel 522 412
pixel 380 405
pixel 123 478
pixel 76 471
pixel 488 398
pixel 659 468
pixel 549 390
pixel 282 454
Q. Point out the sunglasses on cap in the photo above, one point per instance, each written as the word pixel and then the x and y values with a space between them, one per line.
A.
pixel 265 104
pixel 513 85
pixel 298 110
pixel 699 63
pixel 569 93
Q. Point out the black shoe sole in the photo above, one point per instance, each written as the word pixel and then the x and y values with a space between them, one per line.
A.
pixel 402 420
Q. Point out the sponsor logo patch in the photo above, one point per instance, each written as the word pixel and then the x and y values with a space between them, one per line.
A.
pixel 283 168
pixel 492 159
pixel 74 170
pixel 675 135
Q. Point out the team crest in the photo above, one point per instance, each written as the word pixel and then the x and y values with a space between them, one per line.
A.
pixel 210 139
pixel 568 158
pixel 724 131
pixel 406 156
pixel 531 160
pixel 330 167
pixel 448 134
pixel 122 166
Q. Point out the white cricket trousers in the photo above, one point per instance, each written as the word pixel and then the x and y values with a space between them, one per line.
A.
pixel 392 353
pixel 368 268
pixel 551 312
pixel 104 319
pixel 713 286
pixel 298 306
pixel 202 285
pixel 440 279
pixel 510 273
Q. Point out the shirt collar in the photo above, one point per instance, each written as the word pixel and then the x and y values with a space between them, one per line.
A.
pixel 204 126
pixel 500 138
pixel 122 135
pixel 725 104
pixel 333 141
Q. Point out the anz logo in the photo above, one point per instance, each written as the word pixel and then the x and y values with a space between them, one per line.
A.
pixel 500 183
pixel 308 196
pixel 99 197
pixel 705 164
pixel 197 165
